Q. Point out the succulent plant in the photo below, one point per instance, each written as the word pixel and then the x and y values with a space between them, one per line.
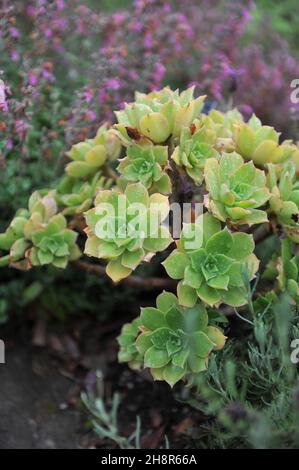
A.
pixel 158 115
pixel 295 157
pixel 284 200
pixel 175 342
pixel 195 147
pixel 13 233
pixel 92 154
pixel 283 268
pixel 222 125
pixel 288 271
pixel 246 173
pixel 119 228
pixel 261 143
pixel 212 264
pixel 127 341
pixel 77 196
pixel 145 164
pixel 235 190
pixel 42 236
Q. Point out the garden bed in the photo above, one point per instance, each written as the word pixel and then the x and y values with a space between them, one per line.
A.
pixel 40 391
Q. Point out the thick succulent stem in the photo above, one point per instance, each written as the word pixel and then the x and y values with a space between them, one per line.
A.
pixel 136 282
pixel 261 233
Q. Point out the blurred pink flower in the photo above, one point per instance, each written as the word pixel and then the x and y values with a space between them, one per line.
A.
pixel 4 91
pixel 113 84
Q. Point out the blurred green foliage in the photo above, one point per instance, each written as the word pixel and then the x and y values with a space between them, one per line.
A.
pixel 57 295
pixel 283 17
pixel 109 5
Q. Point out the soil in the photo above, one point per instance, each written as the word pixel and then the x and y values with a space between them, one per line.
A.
pixel 34 414
pixel 47 367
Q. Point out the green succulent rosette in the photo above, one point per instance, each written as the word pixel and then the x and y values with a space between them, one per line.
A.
pixel 283 268
pixel 13 233
pixel 127 341
pixel 39 235
pixel 146 164
pixel 119 228
pixel 157 116
pixel 295 157
pixel 175 342
pixel 288 271
pixel 284 200
pixel 261 143
pixel 195 147
pixel 235 190
pixel 212 264
pixel 92 154
pixel 76 196
pixel 222 126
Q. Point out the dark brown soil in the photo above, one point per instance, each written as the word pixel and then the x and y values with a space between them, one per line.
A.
pixel 33 408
